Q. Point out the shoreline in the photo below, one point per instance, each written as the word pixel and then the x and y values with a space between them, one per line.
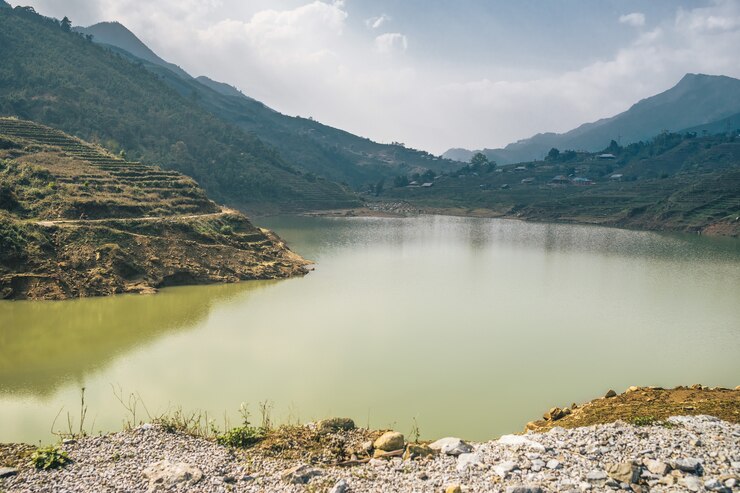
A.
pixel 623 449
pixel 391 209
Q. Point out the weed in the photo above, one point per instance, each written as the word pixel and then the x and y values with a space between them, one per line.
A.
pixel 246 435
pixel 415 432
pixel 49 457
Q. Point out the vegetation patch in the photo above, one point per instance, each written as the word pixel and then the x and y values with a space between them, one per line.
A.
pixel 50 457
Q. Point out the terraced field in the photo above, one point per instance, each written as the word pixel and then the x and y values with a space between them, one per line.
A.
pixel 92 182
pixel 77 221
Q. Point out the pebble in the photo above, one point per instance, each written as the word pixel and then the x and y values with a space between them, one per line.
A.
pixel 451 446
pixel 116 462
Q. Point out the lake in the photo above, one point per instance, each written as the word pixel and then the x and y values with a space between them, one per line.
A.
pixel 468 327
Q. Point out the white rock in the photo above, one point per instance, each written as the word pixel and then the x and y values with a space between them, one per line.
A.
pixel 692 483
pixel 554 464
pixel 451 446
pixel 342 486
pixel 505 468
pixel 167 474
pixel 465 461
pixel 520 441
pixel 596 475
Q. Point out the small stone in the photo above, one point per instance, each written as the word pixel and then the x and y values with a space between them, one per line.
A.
pixel 389 441
pixel 696 442
pixel 69 441
pixel 423 476
pixel 7 471
pixel 332 425
pixel 520 441
pixel 596 475
pixel 451 446
pixel 657 467
pixel 697 386
pixel 554 464
pixel 377 462
pixel 299 474
pixel 342 486
pixel 470 460
pixel 537 465
pixel 523 489
pixel 453 488
pixel 554 414
pixel 731 482
pixel 417 450
pixel 713 485
pixel 504 468
pixel 631 389
pixel 610 394
pixel 692 483
pixel 625 472
pixel 168 474
pixel 689 465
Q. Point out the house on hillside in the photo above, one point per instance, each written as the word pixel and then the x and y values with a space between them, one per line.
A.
pixel 528 181
pixel 607 156
pixel 520 168
pixel 560 180
pixel 616 177
pixel 580 181
pixel 427 184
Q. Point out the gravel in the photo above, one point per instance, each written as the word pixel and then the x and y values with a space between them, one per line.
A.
pixel 698 453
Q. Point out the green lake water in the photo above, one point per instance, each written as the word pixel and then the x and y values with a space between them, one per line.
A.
pixel 470 327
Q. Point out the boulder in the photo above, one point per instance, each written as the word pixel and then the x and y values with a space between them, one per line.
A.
pixel 453 488
pixel 299 474
pixel 169 475
pixel 657 467
pixel 624 472
pixel 389 441
pixel 505 468
pixel 417 450
pixel 689 465
pixel 332 425
pixel 7 471
pixel 554 414
pixel 451 446
pixel 465 461
pixel 610 394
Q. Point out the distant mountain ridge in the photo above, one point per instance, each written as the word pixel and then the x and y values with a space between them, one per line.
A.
pixel 696 100
pixel 305 143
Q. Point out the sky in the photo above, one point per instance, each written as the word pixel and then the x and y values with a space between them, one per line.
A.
pixel 435 74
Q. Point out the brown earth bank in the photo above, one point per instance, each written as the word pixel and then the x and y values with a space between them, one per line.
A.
pixel 77 221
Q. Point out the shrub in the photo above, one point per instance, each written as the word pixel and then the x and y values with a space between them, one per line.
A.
pixel 49 457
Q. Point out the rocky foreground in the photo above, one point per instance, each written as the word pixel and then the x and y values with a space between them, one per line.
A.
pixel 684 453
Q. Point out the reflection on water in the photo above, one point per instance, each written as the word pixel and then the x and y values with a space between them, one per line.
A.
pixel 471 326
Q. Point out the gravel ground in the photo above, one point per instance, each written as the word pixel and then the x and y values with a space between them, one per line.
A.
pixel 698 453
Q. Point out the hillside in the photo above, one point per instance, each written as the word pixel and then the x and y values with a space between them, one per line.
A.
pixel 697 100
pixel 303 142
pixel 679 182
pixel 77 221
pixel 63 80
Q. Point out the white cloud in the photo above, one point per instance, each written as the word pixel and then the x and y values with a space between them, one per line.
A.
pixel 391 43
pixel 377 22
pixel 636 19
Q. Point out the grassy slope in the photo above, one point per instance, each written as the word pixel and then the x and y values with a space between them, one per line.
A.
pixel 65 81
pixel 674 183
pixel 76 221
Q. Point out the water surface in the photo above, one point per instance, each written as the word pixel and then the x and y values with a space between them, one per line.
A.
pixel 470 327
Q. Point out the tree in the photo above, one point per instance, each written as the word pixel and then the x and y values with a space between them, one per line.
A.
pixel 400 181
pixel 478 160
pixel 66 24
pixel 553 155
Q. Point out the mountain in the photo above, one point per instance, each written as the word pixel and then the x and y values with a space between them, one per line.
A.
pixel 116 34
pixel 63 80
pixel 303 142
pixel 76 221
pixel 696 100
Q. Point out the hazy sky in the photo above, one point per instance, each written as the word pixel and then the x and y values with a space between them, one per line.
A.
pixel 435 74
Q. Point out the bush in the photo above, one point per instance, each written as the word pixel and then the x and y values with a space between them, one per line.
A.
pixel 241 437
pixel 49 457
